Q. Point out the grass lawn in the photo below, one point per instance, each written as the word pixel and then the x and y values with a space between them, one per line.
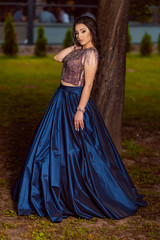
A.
pixel 26 86
pixel 31 82
pixel 142 94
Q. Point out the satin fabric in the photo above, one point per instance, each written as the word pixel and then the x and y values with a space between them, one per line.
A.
pixel 71 173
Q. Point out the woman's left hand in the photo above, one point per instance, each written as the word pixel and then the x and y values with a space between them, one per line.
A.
pixel 78 120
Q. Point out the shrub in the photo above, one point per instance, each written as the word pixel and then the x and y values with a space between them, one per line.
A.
pixel 9 46
pixel 158 43
pixel 146 45
pixel 41 42
pixel 68 40
pixel 129 41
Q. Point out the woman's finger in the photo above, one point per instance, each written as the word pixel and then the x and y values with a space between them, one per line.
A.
pixel 76 125
pixel 82 124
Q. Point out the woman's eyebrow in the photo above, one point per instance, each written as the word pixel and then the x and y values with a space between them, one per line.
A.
pixel 80 29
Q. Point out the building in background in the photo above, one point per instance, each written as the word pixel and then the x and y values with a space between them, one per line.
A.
pixel 73 11
pixel 64 12
pixel 55 31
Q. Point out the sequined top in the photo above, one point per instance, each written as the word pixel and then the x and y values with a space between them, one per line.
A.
pixel 73 65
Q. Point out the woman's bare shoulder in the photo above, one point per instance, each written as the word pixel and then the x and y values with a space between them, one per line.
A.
pixel 91 55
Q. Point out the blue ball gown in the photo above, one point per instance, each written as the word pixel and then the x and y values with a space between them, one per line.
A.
pixel 71 173
pixel 74 173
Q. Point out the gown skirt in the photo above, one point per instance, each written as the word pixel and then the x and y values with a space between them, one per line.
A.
pixel 74 173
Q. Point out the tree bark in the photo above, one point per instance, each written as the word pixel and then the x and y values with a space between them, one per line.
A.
pixel 108 89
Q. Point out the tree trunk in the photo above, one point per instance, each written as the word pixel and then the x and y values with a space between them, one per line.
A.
pixel 108 89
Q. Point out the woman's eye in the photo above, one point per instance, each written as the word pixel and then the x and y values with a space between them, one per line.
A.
pixel 83 31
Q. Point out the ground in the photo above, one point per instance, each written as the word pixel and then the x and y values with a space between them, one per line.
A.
pixel 140 154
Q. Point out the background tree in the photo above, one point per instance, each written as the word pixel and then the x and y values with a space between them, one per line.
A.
pixel 41 42
pixel 146 45
pixel 129 41
pixel 9 46
pixel 141 10
pixel 108 89
pixel 68 40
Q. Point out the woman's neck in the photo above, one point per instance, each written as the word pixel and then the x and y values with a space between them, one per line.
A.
pixel 90 45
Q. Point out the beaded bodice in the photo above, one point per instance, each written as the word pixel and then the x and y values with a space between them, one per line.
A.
pixel 73 65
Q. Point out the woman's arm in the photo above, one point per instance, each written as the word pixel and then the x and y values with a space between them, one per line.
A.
pixel 61 55
pixel 90 68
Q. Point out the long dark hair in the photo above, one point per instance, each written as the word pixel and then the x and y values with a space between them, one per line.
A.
pixel 92 26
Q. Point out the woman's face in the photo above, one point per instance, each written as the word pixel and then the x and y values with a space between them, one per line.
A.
pixel 83 35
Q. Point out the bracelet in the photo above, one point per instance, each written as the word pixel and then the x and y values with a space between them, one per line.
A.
pixel 80 109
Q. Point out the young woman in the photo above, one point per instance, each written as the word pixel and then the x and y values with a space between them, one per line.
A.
pixel 72 167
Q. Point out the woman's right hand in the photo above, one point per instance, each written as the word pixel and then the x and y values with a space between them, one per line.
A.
pixel 78 120
pixel 76 47
pixel 64 52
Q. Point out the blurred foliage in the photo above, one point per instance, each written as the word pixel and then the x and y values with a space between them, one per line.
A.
pixel 41 42
pixel 129 41
pixel 146 45
pixel 9 46
pixel 141 10
pixel 68 40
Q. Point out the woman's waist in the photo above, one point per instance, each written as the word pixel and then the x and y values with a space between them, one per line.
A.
pixel 72 88
pixel 69 82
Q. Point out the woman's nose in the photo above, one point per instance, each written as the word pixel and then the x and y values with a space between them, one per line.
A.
pixel 80 35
